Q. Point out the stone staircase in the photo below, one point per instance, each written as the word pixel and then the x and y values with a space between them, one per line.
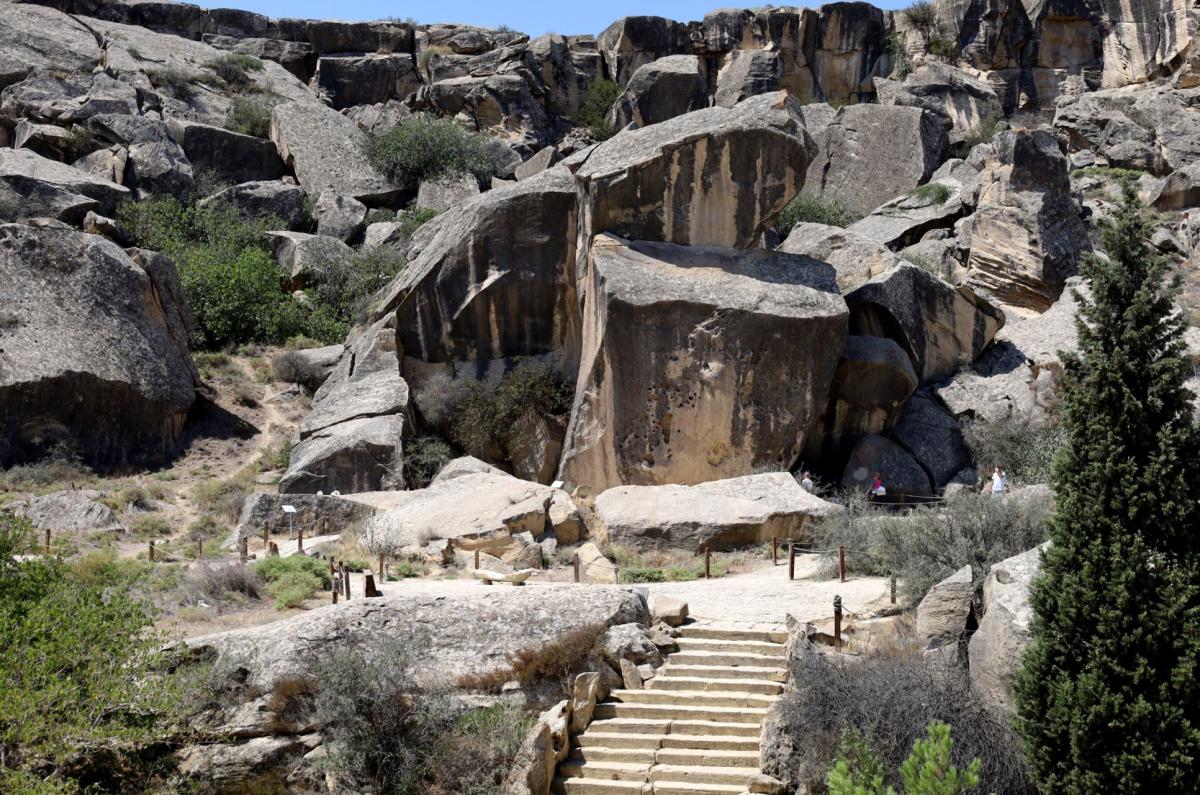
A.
pixel 695 727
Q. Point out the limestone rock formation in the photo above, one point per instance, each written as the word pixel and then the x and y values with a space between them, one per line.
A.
pixel 943 613
pixel 35 38
pixel 69 512
pixel 855 258
pixel 1026 236
pixel 359 455
pixel 317 514
pixel 327 151
pixel 663 89
pixel 683 379
pixel 934 439
pixel 940 327
pixel 899 471
pixel 746 73
pixel 267 198
pixel 1003 634
pixel 718 514
pixel 869 154
pixel 305 259
pixel 227 155
pixel 79 317
pixel 476 633
pixel 967 103
pixel 32 186
pixel 632 42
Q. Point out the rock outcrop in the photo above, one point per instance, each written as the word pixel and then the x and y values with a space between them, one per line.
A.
pixel 661 90
pixel 1003 634
pixel 683 378
pixel 327 151
pixel 80 318
pixel 943 614
pixel 718 515
pixel 69 512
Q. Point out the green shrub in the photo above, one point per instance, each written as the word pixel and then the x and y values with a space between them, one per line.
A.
pixel 934 192
pixel 58 469
pixel 895 44
pixel 811 209
pixel 379 215
pixel 274 569
pixel 642 574
pixel 412 220
pixel 404 569
pixel 425 147
pixel 250 115
pixel 927 544
pixel 231 281
pixel 224 498
pixel 424 457
pixel 151 525
pixel 922 15
pixel 347 285
pixel 1024 448
pixel 105 570
pixel 943 47
pixel 926 771
pixel 1109 172
pixel 234 70
pixel 593 111
pixel 174 82
pixel 292 589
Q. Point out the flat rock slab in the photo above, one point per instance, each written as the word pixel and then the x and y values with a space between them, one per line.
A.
pixel 720 514
pixel 327 151
pixel 69 512
pixel 473 632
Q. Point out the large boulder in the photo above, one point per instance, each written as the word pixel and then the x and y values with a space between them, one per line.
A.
pixel 855 258
pixel 327 151
pixel 747 73
pixel 36 38
pixel 268 198
pixel 941 327
pixel 226 155
pixel 349 79
pixel 632 42
pixel 661 90
pixel 492 100
pixel 872 153
pixel 32 186
pixel 899 471
pixel 905 220
pixel 359 455
pixel 1026 235
pixel 306 259
pixel 969 104
pixel 477 506
pixel 1003 635
pixel 53 97
pixel 321 514
pixel 69 512
pixel 684 376
pixel 944 612
pixel 80 317
pixel 934 438
pixel 719 514
pixel 475 633
pixel 522 303
pixel 717 176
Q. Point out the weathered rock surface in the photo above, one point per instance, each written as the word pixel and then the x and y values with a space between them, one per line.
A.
pixel 309 367
pixel 36 38
pixel 943 613
pixel 1003 634
pixel 327 151
pixel 445 192
pixel 268 198
pixel 474 633
pixel 900 472
pixel 719 514
pixel 717 176
pixel 969 104
pixel 663 89
pixel 69 512
pixel 479 505
pixel 32 186
pixel 349 79
pixel 683 379
pixel 632 42
pixel 305 259
pixel 465 465
pixel 339 216
pixel 81 318
pixel 855 258
pixel 359 455
pixel 747 73
pixel 940 327
pixel 225 154
pixel 673 612
pixel 934 439
pixel 906 219
pixel 318 514
pixel 1026 236
pixel 869 154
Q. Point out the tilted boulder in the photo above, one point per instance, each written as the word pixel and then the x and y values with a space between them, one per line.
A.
pixel 306 259
pixel 969 104
pixel 718 176
pixel 855 258
pixel 32 186
pixel 316 514
pixel 502 100
pixel 941 327
pixel 81 318
pixel 464 465
pixel 747 73
pixel 632 42
pixel 327 151
pixel 359 455
pixel 57 98
pixel 661 90
pixel 934 439
pixel 309 367
pixel 1026 235
pixel 339 216
pixel 350 79
pixel 683 378
pixel 905 220
pixel 69 512
pixel 719 514
pixel 477 633
pixel 482 506
pixel 869 154
pixel 227 155
pixel 36 38
pixel 284 201
pixel 943 614
pixel 1003 635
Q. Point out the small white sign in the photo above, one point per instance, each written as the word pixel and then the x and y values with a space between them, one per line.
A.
pixel 289 509
pixel 558 484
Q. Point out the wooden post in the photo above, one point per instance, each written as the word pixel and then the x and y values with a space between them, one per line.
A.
pixel 477 559
pixel 243 548
pixel 791 560
pixel 707 563
pixel 774 550
pixel 345 579
pixel 892 588
pixel 575 566
pixel 837 621
pixel 382 570
pixel 369 585
pixel 300 539
pixel 266 538
pixel 335 594
pixel 842 562
pixel 274 550
pixel 901 499
pixel 151 551
pixel 199 548
pixel 47 540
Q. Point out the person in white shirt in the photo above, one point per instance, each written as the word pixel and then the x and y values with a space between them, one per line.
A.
pixel 807 482
pixel 999 481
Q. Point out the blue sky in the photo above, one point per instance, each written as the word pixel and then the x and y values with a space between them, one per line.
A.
pixel 534 18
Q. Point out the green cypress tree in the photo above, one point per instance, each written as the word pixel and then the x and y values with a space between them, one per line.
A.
pixel 1109 696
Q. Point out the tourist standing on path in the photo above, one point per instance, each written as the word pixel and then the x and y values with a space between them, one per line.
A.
pixel 999 481
pixel 807 482
pixel 877 489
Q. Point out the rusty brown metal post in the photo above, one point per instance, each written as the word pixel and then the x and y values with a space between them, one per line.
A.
pixel 300 539
pixel 267 537
pixel 151 551
pixel 335 594
pixel 842 562
pixel 791 560
pixel 837 621
pixel 575 566
pixel 774 550
pixel 707 563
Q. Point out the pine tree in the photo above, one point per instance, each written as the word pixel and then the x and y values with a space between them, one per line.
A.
pixel 1109 697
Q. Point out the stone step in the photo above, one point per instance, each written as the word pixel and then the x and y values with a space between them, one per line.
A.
pixel 629 725
pixel 764 648
pixel 694 788
pixel 666 726
pixel 732 632
pixel 609 739
pixel 595 786
pixel 706 757
pixel 711 742
pixel 693 698
pixel 773 673
pixel 696 774
pixel 599 753
pixel 724 658
pixel 702 683
pixel 723 728
pixel 676 712
pixel 613 771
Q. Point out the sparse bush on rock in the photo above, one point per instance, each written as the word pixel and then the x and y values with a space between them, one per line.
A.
pixel 425 147
pixel 810 209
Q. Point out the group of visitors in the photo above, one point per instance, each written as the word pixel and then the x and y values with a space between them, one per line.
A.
pixel 999 483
